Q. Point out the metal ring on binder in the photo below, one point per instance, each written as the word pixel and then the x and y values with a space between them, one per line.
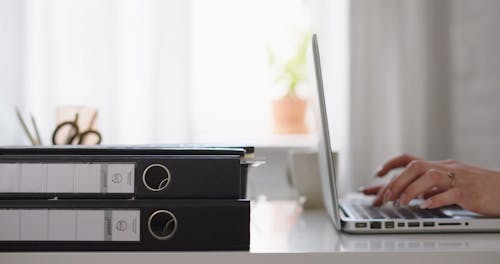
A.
pixel 165 224
pixel 162 184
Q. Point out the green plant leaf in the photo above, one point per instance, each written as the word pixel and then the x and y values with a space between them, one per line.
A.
pixel 294 69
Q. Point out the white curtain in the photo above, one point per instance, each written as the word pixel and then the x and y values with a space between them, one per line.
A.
pixel 423 78
pixel 11 68
pixel 127 58
pixel 155 69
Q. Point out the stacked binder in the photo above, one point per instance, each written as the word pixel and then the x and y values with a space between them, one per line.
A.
pixel 123 198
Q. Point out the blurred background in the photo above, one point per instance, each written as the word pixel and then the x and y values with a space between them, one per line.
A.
pixel 415 76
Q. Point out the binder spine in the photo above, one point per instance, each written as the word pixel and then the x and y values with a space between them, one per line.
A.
pixel 90 225
pixel 122 176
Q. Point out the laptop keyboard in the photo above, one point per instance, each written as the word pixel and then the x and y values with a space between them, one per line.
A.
pixel 367 211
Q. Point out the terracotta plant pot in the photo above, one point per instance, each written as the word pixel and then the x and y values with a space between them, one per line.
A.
pixel 290 115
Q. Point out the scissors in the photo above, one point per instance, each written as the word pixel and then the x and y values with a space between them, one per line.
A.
pixel 75 135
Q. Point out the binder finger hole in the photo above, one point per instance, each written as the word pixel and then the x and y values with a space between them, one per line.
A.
pixel 156 177
pixel 162 224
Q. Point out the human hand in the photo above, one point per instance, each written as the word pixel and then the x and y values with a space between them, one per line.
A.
pixel 440 183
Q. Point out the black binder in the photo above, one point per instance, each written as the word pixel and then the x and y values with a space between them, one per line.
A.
pixel 126 150
pixel 122 176
pixel 122 172
pixel 124 225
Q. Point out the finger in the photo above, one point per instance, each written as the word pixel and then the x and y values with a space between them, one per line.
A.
pixel 397 162
pixel 449 197
pixel 413 171
pixel 379 200
pixel 372 190
pixel 430 179
pixel 447 162
pixel 378 197
pixel 432 192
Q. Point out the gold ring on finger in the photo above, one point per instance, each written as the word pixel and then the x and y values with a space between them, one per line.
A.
pixel 451 176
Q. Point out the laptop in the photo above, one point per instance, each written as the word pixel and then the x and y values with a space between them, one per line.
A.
pixel 354 213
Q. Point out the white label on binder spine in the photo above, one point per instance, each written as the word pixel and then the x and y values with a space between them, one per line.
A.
pixel 62 225
pixel 67 177
pixel 125 226
pixel 9 177
pixel 33 178
pixel 69 225
pixel 34 224
pixel 9 225
pixel 90 225
pixel 60 178
pixel 87 178
pixel 120 178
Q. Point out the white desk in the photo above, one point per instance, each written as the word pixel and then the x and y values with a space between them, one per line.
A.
pixel 283 233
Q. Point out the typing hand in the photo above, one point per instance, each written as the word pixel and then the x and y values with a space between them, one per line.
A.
pixel 440 183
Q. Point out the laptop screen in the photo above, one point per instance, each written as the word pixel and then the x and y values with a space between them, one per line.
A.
pixel 325 157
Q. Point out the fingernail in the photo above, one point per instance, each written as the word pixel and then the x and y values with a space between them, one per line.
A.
pixel 402 199
pixel 377 171
pixel 387 196
pixel 397 203
pixel 426 204
pixel 361 189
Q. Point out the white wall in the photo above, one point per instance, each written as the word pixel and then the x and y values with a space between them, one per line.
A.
pixel 425 80
pixel 475 58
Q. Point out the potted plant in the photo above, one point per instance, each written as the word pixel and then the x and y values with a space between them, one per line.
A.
pixel 289 111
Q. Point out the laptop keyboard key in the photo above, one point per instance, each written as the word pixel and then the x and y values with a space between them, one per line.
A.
pixel 365 211
pixel 405 213
pixel 421 212
pixel 436 213
pixel 375 213
pixel 358 211
pixel 389 212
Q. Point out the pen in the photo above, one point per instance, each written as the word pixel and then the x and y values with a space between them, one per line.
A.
pixel 38 138
pixel 25 128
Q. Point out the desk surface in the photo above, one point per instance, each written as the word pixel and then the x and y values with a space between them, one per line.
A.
pixel 283 227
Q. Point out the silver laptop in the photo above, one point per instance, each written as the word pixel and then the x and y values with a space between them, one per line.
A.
pixel 354 212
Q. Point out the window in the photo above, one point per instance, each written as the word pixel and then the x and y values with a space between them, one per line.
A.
pixel 161 71
pixel 232 81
